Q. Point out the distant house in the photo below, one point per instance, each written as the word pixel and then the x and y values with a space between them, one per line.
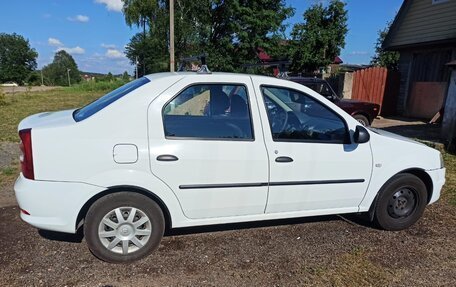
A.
pixel 424 32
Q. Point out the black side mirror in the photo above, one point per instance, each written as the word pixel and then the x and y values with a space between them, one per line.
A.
pixel 361 135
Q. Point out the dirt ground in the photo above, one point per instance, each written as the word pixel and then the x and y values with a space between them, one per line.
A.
pixel 317 251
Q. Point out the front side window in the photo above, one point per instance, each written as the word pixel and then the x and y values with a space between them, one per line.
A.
pixel 295 116
pixel 209 111
pixel 109 98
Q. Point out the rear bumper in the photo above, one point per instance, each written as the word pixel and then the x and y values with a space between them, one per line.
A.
pixel 438 180
pixel 52 205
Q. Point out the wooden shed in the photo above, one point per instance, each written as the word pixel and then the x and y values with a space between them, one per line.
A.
pixel 424 32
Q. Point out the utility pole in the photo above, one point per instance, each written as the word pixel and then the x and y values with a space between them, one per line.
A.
pixel 144 44
pixel 136 66
pixel 42 80
pixel 171 35
pixel 68 73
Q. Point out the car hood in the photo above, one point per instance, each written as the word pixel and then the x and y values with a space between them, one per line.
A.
pixel 394 136
pixel 47 119
pixel 392 149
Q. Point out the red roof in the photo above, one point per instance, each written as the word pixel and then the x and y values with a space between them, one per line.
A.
pixel 338 60
pixel 263 56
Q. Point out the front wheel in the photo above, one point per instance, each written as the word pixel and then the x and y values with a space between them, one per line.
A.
pixel 401 202
pixel 123 227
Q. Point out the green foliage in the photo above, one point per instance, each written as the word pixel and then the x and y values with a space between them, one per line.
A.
pixel 17 58
pixel 97 85
pixel 56 73
pixel 34 78
pixel 383 58
pixel 125 77
pixel 230 32
pixel 316 42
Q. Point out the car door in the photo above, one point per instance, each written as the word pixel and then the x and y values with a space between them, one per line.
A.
pixel 313 165
pixel 206 144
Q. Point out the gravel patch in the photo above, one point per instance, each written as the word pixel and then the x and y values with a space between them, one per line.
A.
pixel 9 154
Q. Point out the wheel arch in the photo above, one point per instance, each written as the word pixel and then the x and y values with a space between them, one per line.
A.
pixel 114 189
pixel 418 172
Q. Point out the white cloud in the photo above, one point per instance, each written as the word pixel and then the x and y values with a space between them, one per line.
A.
pixel 108 46
pixel 54 42
pixel 112 5
pixel 358 53
pixel 79 18
pixel 73 51
pixel 114 54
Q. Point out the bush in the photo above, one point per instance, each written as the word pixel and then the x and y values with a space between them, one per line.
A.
pixel 97 86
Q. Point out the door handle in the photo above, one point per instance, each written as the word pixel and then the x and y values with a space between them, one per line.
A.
pixel 167 157
pixel 283 159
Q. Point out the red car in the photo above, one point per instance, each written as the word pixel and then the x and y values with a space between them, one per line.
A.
pixel 364 112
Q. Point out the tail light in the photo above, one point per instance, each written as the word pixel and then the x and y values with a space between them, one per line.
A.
pixel 27 156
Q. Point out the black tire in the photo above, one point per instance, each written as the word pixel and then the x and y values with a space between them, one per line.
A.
pixel 144 207
pixel 362 120
pixel 401 202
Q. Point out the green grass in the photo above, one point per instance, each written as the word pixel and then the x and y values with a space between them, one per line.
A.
pixel 449 190
pixel 19 106
pixel 93 86
pixel 9 171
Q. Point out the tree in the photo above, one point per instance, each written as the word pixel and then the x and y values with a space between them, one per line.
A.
pixel 125 77
pixel 17 58
pixel 383 58
pixel 316 42
pixel 56 73
pixel 229 31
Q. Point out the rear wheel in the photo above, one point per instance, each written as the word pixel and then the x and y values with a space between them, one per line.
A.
pixel 123 227
pixel 401 202
pixel 362 120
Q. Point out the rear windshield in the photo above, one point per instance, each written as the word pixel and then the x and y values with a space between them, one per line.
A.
pixel 109 98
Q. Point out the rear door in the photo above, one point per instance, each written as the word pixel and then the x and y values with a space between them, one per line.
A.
pixel 206 144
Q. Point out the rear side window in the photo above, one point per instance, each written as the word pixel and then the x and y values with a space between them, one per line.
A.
pixel 209 111
pixel 109 98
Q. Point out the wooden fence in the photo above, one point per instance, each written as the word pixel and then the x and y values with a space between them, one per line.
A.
pixel 377 85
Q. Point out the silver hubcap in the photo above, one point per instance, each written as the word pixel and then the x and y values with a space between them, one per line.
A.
pixel 124 230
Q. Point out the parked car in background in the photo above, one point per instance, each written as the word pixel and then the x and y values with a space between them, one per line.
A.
pixel 363 112
pixel 9 84
pixel 175 150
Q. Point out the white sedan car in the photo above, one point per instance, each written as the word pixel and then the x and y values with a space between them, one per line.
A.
pixel 176 150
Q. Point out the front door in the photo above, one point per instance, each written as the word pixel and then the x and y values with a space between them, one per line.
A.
pixel 206 144
pixel 313 165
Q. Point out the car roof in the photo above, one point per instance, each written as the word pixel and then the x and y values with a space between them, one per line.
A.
pixel 196 75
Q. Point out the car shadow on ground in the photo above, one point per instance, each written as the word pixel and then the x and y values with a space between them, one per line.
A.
pixel 61 236
pixel 353 219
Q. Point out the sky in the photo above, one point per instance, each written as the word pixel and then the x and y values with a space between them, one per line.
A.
pixel 95 34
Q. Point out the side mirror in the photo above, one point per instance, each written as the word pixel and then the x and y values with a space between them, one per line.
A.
pixel 361 135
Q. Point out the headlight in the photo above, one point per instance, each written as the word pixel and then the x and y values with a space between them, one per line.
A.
pixel 442 163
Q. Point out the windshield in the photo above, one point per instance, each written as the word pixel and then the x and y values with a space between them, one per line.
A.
pixel 320 87
pixel 109 98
